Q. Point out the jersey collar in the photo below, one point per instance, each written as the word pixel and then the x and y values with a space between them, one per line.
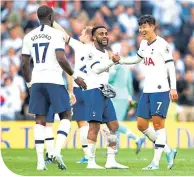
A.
pixel 152 41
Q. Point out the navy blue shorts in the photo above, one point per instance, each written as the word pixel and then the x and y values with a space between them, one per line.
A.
pixel 46 94
pixel 97 107
pixel 79 106
pixel 50 116
pixel 152 104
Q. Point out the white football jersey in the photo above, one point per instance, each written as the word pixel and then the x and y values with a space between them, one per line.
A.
pixel 41 44
pixel 93 57
pixel 156 55
pixel 80 60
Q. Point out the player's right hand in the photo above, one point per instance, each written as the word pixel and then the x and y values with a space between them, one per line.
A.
pixel 115 58
pixel 173 95
pixel 72 98
pixel 80 81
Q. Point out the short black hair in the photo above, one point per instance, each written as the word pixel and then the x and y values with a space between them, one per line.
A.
pixel 44 11
pixel 97 27
pixel 147 19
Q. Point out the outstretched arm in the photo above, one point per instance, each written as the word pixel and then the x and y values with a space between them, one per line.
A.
pixel 99 68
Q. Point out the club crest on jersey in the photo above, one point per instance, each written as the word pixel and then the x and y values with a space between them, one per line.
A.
pixel 167 49
pixel 148 61
pixel 90 56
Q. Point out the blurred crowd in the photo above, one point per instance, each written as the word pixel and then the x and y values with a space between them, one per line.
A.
pixel 175 23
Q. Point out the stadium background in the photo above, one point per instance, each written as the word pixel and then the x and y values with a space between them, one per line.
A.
pixel 175 22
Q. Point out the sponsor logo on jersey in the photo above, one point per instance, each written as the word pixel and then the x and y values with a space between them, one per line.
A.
pixel 148 61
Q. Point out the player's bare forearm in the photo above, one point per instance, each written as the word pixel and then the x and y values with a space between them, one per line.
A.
pixel 65 66
pixel 26 69
pixel 63 62
pixel 69 83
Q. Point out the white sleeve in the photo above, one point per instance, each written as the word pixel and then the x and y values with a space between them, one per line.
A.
pixel 169 61
pixel 96 66
pixel 99 68
pixel 25 46
pixel 59 41
pixel 75 44
pixel 138 57
pixel 131 60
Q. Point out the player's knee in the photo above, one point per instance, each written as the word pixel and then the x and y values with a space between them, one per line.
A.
pixel 65 115
pixel 142 127
pixel 113 126
pixel 158 126
pixel 40 120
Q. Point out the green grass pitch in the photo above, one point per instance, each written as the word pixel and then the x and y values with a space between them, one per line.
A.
pixel 23 162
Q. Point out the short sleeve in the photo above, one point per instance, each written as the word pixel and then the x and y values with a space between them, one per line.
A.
pixel 60 41
pixel 25 46
pixel 166 53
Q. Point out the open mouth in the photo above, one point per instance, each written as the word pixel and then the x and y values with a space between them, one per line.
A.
pixel 104 40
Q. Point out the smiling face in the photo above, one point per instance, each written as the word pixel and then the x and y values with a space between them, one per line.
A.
pixel 146 30
pixel 101 36
pixel 147 25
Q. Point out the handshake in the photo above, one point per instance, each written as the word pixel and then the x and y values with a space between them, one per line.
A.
pixel 114 57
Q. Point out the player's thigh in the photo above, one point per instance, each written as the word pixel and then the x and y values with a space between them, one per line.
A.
pixel 159 103
pixel 78 107
pixel 143 109
pixel 39 100
pixel 59 97
pixel 109 113
pixel 81 123
pixel 50 116
pixel 94 105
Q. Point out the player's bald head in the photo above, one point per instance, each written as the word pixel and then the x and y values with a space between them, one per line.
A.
pixel 44 12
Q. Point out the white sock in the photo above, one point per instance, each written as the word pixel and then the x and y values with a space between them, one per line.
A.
pixel 162 132
pixel 91 152
pixel 159 146
pixel 39 135
pixel 83 139
pixel 111 155
pixel 62 133
pixel 151 134
pixel 49 140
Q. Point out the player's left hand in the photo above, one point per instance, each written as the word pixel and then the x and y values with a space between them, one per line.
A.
pixel 80 81
pixel 173 95
pixel 116 58
pixel 72 98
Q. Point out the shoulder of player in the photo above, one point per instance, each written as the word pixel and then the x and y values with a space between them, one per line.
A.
pixel 162 41
pixel 31 33
pixel 143 43
pixel 57 32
